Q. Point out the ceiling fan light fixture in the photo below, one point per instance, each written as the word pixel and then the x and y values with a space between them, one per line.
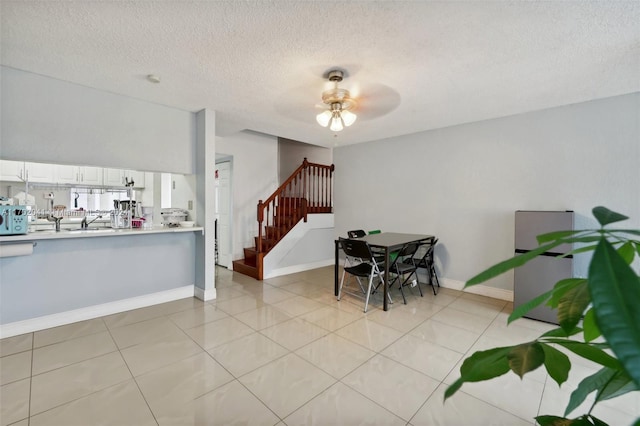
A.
pixel 323 118
pixel 348 117
pixel 336 123
pixel 338 116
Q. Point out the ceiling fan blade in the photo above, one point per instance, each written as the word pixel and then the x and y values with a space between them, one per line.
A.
pixel 376 100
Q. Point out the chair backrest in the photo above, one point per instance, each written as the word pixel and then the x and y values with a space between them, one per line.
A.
pixel 431 247
pixel 408 250
pixel 427 255
pixel 356 233
pixel 356 248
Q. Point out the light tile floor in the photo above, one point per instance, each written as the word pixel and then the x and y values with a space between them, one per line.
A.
pixel 281 352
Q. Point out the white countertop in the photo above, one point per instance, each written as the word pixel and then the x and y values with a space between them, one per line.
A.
pixel 92 233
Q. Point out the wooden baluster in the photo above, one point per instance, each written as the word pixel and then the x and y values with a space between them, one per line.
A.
pixel 260 220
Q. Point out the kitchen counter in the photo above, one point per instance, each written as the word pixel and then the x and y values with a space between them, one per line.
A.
pixel 74 275
pixel 92 233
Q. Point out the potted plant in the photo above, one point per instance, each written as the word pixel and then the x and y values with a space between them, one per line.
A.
pixel 599 319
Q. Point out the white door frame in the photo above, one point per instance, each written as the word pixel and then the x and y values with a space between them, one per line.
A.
pixel 226 258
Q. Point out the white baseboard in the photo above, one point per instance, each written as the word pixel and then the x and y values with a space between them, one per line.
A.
pixel 90 312
pixel 204 295
pixel 298 268
pixel 482 290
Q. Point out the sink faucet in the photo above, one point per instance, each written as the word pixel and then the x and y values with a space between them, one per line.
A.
pixel 56 220
pixel 84 224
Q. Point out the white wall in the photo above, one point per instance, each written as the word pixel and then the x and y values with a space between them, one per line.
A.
pixel 291 154
pixel 308 245
pixel 53 121
pixel 463 183
pixel 254 177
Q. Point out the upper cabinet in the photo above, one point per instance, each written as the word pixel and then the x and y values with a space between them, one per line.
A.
pixel 78 175
pixel 91 175
pixel 11 171
pixel 113 177
pixel 136 177
pixel 17 171
pixel 39 172
pixel 20 171
pixel 120 177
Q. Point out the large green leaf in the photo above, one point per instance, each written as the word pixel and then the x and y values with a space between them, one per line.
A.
pixel 511 263
pixel 556 235
pixel 620 384
pixel 556 363
pixel 561 288
pixel 582 239
pixel 615 293
pixel 525 357
pixel 554 421
pixel 627 252
pixel 623 231
pixel 572 305
pixel 559 332
pixel 582 249
pixel 482 365
pixel 588 351
pixel 589 384
pixel 604 216
pixel 591 330
pixel 521 310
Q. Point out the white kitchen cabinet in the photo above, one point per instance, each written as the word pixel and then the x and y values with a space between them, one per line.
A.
pixel 11 171
pixel 120 177
pixel 39 172
pixel 91 175
pixel 135 176
pixel 66 174
pixel 78 175
pixel 17 171
pixel 113 177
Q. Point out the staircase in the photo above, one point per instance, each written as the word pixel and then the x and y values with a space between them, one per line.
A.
pixel 308 190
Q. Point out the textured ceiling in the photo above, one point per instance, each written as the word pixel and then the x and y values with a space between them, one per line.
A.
pixel 415 65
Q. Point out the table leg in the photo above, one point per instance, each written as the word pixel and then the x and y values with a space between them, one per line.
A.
pixel 385 303
pixel 335 271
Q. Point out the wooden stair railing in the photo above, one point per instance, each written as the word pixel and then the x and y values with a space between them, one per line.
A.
pixel 309 189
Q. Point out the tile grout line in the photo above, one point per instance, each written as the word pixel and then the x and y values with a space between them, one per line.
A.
pixel 33 341
pixel 132 376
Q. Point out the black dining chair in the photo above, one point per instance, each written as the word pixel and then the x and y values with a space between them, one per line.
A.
pixel 356 233
pixel 426 261
pixel 403 268
pixel 360 263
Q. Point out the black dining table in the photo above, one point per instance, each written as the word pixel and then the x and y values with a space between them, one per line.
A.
pixel 390 242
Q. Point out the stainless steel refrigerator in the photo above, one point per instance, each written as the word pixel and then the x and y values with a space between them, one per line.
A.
pixel 543 272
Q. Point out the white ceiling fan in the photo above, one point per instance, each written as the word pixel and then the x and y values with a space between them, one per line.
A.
pixel 345 95
pixel 338 104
